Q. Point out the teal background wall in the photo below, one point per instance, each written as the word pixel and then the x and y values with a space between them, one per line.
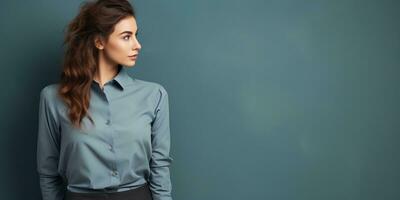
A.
pixel 269 99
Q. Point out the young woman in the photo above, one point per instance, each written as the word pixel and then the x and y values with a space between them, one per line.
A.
pixel 103 134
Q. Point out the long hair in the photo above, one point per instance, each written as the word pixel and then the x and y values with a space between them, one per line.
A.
pixel 80 61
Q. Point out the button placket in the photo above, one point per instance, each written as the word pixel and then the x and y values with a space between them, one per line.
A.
pixel 115 179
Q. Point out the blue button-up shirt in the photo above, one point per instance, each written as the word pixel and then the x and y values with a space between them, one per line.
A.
pixel 128 145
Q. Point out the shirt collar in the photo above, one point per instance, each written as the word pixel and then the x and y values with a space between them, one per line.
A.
pixel 122 78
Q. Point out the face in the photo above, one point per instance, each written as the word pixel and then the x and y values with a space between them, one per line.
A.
pixel 122 46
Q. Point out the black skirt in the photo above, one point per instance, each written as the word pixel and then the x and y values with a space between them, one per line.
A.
pixel 140 193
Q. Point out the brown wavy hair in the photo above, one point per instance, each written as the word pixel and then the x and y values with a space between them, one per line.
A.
pixel 80 61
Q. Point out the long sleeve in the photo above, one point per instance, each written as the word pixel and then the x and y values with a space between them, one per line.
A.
pixel 48 149
pixel 160 181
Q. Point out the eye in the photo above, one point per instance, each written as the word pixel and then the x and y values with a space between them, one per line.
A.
pixel 126 37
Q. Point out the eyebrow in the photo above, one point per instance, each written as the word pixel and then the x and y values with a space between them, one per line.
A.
pixel 129 32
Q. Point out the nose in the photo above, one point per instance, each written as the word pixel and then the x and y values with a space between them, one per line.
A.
pixel 137 45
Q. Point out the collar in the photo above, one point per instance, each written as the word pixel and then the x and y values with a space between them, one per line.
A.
pixel 122 78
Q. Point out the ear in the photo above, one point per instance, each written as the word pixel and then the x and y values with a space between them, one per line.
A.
pixel 99 42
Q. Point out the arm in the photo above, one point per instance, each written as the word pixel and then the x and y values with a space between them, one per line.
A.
pixel 48 146
pixel 160 182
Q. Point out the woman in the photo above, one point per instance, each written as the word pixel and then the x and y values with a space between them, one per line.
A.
pixel 103 134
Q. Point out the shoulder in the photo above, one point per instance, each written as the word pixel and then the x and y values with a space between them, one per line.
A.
pixel 50 90
pixel 49 101
pixel 152 86
pixel 49 93
pixel 157 92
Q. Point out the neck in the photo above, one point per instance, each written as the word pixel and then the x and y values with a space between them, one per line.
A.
pixel 106 71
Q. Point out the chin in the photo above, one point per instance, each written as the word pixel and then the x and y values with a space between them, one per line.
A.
pixel 130 64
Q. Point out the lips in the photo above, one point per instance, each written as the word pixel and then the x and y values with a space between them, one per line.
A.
pixel 133 57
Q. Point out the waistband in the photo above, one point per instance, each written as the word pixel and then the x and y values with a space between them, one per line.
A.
pixel 142 192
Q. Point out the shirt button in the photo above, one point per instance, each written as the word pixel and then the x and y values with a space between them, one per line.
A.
pixel 108 122
pixel 110 147
pixel 114 173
